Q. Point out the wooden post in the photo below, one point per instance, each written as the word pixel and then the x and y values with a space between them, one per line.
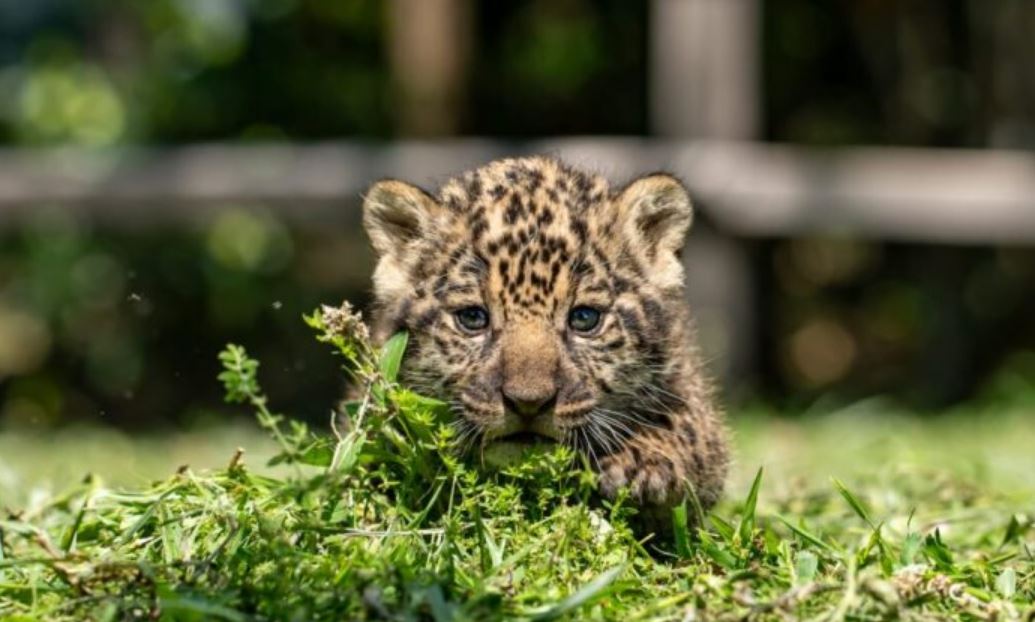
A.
pixel 429 45
pixel 704 84
pixel 704 68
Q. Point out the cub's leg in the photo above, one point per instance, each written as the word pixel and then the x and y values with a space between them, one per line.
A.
pixel 660 466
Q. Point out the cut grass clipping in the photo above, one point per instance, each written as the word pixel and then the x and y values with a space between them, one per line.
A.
pixel 382 520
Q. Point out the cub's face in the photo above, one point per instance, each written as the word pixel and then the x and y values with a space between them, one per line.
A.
pixel 538 301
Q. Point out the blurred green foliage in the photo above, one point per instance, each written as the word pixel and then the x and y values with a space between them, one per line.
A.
pixel 543 68
pixel 933 324
pixel 106 71
pixel 98 325
pixel 110 71
pixel 951 73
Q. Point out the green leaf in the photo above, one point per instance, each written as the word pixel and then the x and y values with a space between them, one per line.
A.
pixel 805 565
pixel 410 402
pixel 352 408
pixel 348 450
pixel 317 453
pixel 910 547
pixel 392 355
pixel 937 552
pixel 428 403
pixel 239 374
pixel 1006 583
pixel 592 591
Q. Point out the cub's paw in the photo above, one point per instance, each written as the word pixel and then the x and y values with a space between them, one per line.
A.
pixel 651 480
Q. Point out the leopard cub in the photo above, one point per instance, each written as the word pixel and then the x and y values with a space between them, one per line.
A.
pixel 541 302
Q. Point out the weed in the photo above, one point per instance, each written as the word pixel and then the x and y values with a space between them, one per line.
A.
pixel 383 519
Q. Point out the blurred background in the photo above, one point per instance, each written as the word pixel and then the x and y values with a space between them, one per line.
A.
pixel 177 174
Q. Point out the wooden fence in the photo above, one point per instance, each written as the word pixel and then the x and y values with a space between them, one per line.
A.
pixel 746 189
pixel 743 190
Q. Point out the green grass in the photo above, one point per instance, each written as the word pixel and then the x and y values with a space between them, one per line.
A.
pixel 858 515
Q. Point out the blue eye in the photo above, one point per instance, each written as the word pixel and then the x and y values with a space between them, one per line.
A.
pixel 472 319
pixel 583 319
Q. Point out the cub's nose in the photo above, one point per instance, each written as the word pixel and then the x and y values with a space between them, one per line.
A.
pixel 529 404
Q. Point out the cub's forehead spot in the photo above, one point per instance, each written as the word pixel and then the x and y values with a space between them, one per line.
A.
pixel 518 188
pixel 528 220
pixel 510 204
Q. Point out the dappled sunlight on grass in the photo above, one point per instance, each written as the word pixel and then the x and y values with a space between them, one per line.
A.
pixel 47 462
pixel 993 447
pixel 796 452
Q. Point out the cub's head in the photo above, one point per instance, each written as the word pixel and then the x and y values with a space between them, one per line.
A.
pixel 538 300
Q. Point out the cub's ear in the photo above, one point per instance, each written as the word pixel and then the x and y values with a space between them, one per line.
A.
pixel 656 211
pixel 395 214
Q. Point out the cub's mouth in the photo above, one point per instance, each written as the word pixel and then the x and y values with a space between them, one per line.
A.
pixel 537 431
pixel 509 448
pixel 525 437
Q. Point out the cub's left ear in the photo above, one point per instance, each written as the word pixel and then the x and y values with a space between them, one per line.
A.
pixel 395 214
pixel 656 210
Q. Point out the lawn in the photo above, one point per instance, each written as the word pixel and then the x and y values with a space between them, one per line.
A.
pixel 859 514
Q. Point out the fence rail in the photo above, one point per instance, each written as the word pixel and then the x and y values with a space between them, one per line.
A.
pixel 747 189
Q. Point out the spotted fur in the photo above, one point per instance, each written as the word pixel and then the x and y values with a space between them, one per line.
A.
pixel 528 240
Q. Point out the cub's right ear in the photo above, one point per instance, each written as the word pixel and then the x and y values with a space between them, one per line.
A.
pixel 396 214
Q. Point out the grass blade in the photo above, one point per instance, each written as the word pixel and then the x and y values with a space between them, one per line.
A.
pixel 804 534
pixel 854 502
pixel 938 553
pixel 681 531
pixel 584 595
pixel 722 527
pixel 719 555
pixel 747 522
pixel 1013 531
pixel 174 604
pixel 68 541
